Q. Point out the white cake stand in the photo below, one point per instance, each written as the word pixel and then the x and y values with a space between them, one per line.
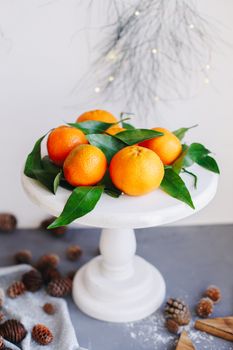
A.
pixel 119 286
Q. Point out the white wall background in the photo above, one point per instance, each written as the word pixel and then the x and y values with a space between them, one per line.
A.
pixel 42 55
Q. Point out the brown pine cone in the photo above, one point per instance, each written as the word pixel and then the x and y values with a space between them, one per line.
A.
pixel 172 326
pixel 16 289
pixel 32 280
pixel 74 252
pixel 57 232
pixel 60 287
pixel 178 311
pixel 42 335
pixel 23 257
pixel 13 331
pixel 48 261
pixel 2 297
pixel 8 222
pixel 49 309
pixel 2 346
pixel 205 307
pixel 50 274
pixel 214 293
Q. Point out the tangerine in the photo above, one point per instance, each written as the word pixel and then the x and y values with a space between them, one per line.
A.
pixel 168 147
pixel 98 115
pixel 136 170
pixel 85 166
pixel 113 130
pixel 62 140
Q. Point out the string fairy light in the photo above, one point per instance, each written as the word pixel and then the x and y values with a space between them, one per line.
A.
pixel 154 51
pixel 97 89
pixel 126 52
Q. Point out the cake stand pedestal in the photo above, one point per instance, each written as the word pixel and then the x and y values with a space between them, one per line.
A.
pixel 119 286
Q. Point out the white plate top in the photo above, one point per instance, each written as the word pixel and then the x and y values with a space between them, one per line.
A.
pixel 154 209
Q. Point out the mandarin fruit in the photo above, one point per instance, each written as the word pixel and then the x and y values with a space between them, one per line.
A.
pixel 62 140
pixel 168 147
pixel 113 130
pixel 85 166
pixel 98 115
pixel 136 170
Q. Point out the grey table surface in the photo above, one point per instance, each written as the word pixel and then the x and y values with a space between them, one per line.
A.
pixel 190 258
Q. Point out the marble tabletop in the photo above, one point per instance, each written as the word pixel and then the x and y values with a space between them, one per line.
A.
pixel 190 258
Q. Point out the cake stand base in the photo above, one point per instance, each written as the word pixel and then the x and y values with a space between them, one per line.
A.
pixel 118 287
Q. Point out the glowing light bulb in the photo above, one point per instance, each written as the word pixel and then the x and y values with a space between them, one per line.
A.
pixel 206 81
pixel 157 98
pixel 111 56
pixel 111 78
pixel 137 13
pixel 191 26
pixel 154 51
pixel 207 67
pixel 97 89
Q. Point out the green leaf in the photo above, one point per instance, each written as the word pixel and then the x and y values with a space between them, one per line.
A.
pixel 200 155
pixel 131 137
pixel 92 126
pixel 197 151
pixel 173 185
pixel 49 180
pixel 193 175
pixel 81 201
pixel 209 163
pixel 107 143
pixel 178 164
pixel 33 161
pixel 127 126
pixel 49 166
pixel 109 188
pixel 180 133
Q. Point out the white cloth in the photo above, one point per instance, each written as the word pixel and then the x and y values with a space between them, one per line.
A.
pixel 28 310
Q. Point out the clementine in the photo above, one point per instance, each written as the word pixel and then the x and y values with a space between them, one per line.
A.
pixel 136 170
pixel 98 115
pixel 113 130
pixel 85 166
pixel 168 147
pixel 62 140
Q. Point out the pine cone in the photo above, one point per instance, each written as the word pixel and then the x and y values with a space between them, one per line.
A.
pixel 50 274
pixel 8 222
pixel 2 297
pixel 172 326
pixel 57 232
pixel 178 311
pixel 42 335
pixel 48 261
pixel 214 293
pixel 74 252
pixel 13 331
pixel 23 257
pixel 205 307
pixel 2 346
pixel 16 289
pixel 60 287
pixel 32 280
pixel 49 309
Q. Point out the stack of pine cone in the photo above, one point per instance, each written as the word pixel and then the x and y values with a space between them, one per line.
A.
pixel 44 273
